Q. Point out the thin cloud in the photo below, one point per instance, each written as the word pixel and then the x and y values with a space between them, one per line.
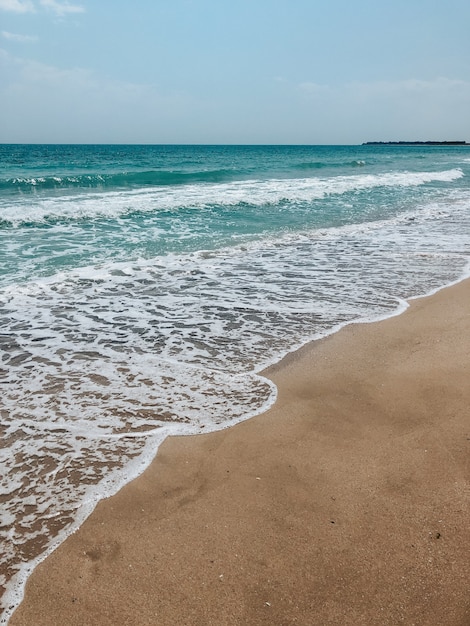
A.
pixel 315 89
pixel 18 38
pixel 17 6
pixel 386 110
pixel 77 104
pixel 61 8
pixel 402 90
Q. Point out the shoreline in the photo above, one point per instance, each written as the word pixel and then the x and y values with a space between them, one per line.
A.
pixel 140 465
pixel 177 491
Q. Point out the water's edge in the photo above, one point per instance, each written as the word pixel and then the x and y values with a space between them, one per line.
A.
pixel 14 594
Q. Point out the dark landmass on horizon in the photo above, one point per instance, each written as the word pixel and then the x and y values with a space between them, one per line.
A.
pixel 416 143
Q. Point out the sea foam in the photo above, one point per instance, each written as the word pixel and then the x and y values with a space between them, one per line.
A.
pixel 112 204
pixel 131 314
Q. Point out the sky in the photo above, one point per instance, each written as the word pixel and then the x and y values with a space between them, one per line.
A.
pixel 234 71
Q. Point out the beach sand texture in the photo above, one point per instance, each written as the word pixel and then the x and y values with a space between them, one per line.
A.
pixel 347 503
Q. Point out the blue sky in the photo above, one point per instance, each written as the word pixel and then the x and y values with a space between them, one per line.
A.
pixel 234 71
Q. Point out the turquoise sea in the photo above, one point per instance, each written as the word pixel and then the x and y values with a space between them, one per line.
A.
pixel 143 289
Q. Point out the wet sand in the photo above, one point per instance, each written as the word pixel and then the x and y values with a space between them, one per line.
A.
pixel 347 503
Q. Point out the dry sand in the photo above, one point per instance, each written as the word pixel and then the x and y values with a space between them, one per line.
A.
pixel 347 503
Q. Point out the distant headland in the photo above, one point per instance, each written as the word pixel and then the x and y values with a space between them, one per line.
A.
pixel 416 143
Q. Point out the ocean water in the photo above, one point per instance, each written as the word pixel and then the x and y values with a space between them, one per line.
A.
pixel 144 288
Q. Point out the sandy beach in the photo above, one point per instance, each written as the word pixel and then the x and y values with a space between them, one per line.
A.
pixel 347 503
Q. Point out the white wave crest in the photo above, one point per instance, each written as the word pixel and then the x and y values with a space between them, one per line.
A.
pixel 114 204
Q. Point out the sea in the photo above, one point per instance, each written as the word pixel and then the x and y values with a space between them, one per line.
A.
pixel 145 288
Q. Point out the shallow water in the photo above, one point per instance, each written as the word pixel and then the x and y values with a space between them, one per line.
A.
pixel 143 288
